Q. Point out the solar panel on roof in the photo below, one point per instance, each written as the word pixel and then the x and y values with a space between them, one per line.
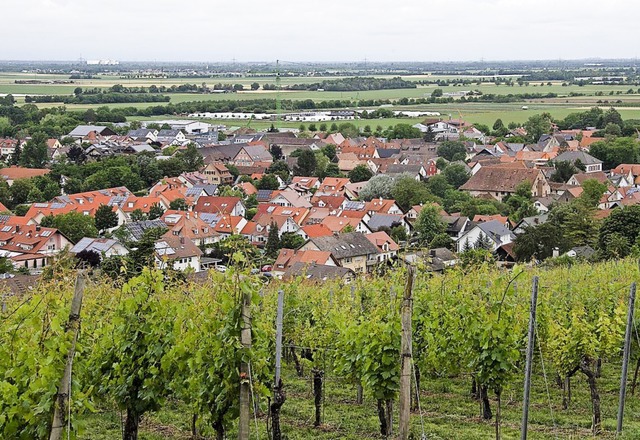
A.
pixel 46 233
pixel 40 205
pixel 6 229
pixel 57 205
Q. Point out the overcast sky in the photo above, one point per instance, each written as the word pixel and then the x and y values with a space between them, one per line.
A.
pixel 327 30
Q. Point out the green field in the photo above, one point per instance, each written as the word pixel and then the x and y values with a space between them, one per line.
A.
pixel 484 113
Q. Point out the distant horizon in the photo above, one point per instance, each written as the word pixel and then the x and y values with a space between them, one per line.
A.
pixel 310 61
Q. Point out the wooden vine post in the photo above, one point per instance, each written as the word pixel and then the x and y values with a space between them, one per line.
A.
pixel 625 358
pixel 245 339
pixel 406 356
pixel 62 402
pixel 278 392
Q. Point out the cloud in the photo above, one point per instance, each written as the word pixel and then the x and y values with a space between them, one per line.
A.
pixel 339 30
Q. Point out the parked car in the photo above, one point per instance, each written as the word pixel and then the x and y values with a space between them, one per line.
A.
pixel 221 268
pixel 266 268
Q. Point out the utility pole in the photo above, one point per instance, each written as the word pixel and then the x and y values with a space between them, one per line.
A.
pixel 527 371
pixel 61 414
pixel 406 356
pixel 278 394
pixel 245 339
pixel 625 357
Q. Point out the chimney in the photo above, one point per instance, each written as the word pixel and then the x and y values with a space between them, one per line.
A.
pixel 17 228
pixel 556 252
pixel 38 227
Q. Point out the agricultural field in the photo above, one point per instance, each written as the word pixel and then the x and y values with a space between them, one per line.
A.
pixel 483 113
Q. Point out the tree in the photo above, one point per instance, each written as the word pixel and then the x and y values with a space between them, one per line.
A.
pixel 105 218
pixel 499 129
pixel 276 152
pixel 323 127
pixel 361 173
pixel 20 191
pixel 438 185
pixel 624 224
pixel 483 242
pixel 592 191
pixel 408 192
pixel 348 130
pixel 564 170
pixel 281 169
pixel 255 86
pixel 191 158
pixel 155 211
pixel 329 151
pixel 378 186
pixel 35 153
pixel 291 240
pixel 312 127
pixel 452 150
pixel 76 155
pixel 520 203
pixel 539 242
pixel 137 215
pixel 456 175
pixel 88 257
pixel 536 126
pixel 429 224
pixel 268 181
pixel 615 151
pixel 178 205
pixel 442 240
pixel 403 131
pixel 307 164
pixel 437 93
pixel 74 225
pixel 272 246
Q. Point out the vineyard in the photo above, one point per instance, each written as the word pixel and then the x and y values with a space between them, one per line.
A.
pixel 160 358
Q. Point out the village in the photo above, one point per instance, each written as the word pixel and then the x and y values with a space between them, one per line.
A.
pixel 316 204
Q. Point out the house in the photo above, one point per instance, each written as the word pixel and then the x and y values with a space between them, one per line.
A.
pixel 332 186
pixel 387 248
pixel 631 173
pixel 257 230
pixel 83 131
pixel 250 156
pixel 31 246
pixel 351 250
pixel 171 136
pixel 578 179
pixel 288 257
pixel 189 225
pixel 288 198
pixel 584 252
pixel 417 172
pixel 106 247
pixel 135 230
pixel 339 225
pixel 227 225
pixel 178 253
pixel 388 221
pixel 530 222
pixel 319 273
pixel 13 173
pixel 221 205
pixel 498 182
pixel 456 225
pixel 591 164
pixel 491 234
pixel 8 147
pixel 143 134
pixel 218 174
